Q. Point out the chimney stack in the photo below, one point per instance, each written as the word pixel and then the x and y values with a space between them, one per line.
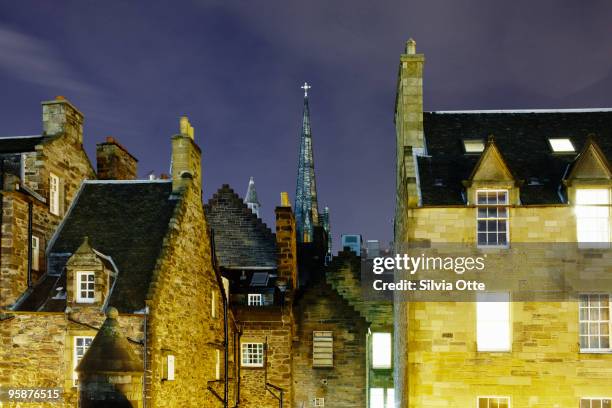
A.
pixel 59 116
pixel 114 162
pixel 186 158
pixel 286 242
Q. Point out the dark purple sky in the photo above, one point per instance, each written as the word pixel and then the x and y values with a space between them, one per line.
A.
pixel 235 68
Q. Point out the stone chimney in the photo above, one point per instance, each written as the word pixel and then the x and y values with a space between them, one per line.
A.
pixel 114 162
pixel 286 242
pixel 61 117
pixel 186 158
pixel 409 122
pixel 110 372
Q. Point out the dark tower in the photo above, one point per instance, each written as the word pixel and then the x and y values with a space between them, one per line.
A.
pixel 306 205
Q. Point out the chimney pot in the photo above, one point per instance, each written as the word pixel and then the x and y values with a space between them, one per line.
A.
pixel 60 98
pixel 285 199
pixel 411 47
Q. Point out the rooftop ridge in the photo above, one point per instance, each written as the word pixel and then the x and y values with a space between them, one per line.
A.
pixel 20 137
pixel 141 181
pixel 580 110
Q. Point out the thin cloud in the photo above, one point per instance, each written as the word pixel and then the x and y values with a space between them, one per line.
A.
pixel 32 60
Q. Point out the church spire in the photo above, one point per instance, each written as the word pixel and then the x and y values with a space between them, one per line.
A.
pixel 250 198
pixel 306 205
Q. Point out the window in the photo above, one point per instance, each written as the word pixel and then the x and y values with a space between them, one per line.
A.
pixel 213 304
pixel 492 217
pixel 218 365
pixel 493 402
pixel 594 311
pixel 473 145
pixel 252 354
pixel 593 217
pixel 382 398
pixel 54 194
pixel 318 402
pixel 381 350
pixel 35 253
pixel 493 322
pixel 561 145
pixel 81 344
pixel 596 403
pixel 322 349
pixel 260 279
pixel 168 365
pixel 255 299
pixel 85 287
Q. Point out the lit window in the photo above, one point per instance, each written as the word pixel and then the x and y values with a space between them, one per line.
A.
pixel 596 403
pixel 54 194
pixel 255 299
pixel 322 349
pixel 381 350
pixel 168 366
pixel 381 399
pixel 252 354
pixel 493 322
pixel 594 322
pixel 218 364
pixel 213 304
pixel 593 217
pixel 35 253
pixel 561 145
pixel 85 287
pixel 318 402
pixel 473 145
pixel 81 344
pixel 492 217
pixel 493 402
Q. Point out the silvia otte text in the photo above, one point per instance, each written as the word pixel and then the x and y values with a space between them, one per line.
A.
pixel 429 285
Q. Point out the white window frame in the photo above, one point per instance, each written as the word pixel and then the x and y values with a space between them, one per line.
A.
pixel 490 397
pixel 35 253
pixel 79 281
pixel 377 348
pixel 255 299
pixel 485 306
pixel 473 146
pixel 54 194
pixel 76 357
pixel 388 398
pixel 590 400
pixel 318 402
pixel 599 322
pixel 252 354
pixel 594 214
pixel 497 218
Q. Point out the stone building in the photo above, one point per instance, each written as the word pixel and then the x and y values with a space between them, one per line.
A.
pixel 515 186
pixel 143 248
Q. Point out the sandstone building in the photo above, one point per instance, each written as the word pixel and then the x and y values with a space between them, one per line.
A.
pixel 513 185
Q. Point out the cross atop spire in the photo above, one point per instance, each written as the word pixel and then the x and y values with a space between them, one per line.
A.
pixel 306 87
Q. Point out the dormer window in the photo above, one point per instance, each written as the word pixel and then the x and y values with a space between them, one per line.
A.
pixel 561 145
pixel 473 146
pixel 492 218
pixel 85 287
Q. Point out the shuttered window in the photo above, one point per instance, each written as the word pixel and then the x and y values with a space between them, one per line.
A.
pixel 322 349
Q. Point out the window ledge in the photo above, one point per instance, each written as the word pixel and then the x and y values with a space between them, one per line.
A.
pixel 604 351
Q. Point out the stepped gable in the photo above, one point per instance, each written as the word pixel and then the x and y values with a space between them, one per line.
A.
pixel 522 139
pixel 241 239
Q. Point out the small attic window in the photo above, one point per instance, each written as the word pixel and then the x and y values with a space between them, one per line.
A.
pixel 472 146
pixel 260 279
pixel 561 145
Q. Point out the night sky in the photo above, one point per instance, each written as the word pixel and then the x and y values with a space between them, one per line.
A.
pixel 235 68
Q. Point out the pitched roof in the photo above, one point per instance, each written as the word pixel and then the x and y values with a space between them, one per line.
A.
pixel 240 238
pixel 522 138
pixel 125 220
pixel 19 144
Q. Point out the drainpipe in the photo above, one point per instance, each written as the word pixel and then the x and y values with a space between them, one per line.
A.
pixel 144 358
pixel 29 244
pixel 226 351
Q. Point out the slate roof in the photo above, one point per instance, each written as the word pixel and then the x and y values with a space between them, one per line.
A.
pixel 19 144
pixel 126 220
pixel 241 239
pixel 522 138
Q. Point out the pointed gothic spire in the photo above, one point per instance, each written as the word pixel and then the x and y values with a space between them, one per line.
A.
pixel 250 198
pixel 306 205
